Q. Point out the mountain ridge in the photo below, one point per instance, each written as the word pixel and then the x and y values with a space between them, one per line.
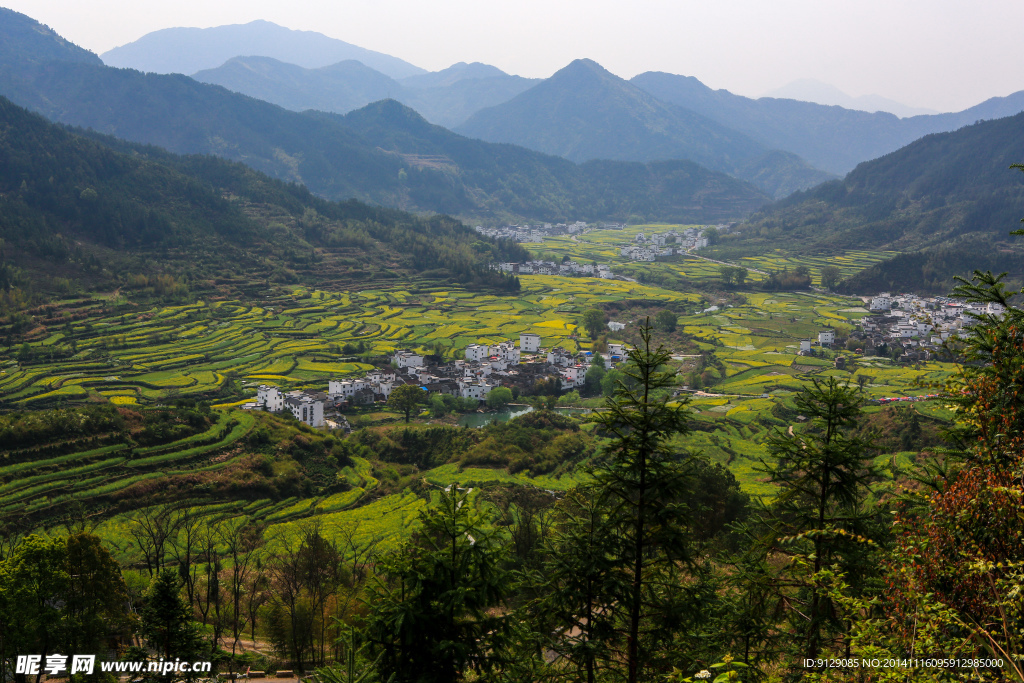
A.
pixel 829 137
pixel 445 97
pixel 584 112
pixel 187 50
pixel 496 183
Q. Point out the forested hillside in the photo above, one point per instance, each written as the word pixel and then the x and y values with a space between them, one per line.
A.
pixel 948 196
pixel 75 212
pixel 332 159
pixel 584 112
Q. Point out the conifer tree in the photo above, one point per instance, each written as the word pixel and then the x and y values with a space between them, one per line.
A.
pixel 818 519
pixel 429 618
pixel 643 483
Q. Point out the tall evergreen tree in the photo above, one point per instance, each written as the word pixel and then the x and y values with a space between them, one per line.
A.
pixel 818 519
pixel 167 622
pixel 644 481
pixel 429 618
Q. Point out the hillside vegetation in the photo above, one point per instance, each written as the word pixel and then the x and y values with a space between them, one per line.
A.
pixel 334 160
pixel 76 213
pixel 946 199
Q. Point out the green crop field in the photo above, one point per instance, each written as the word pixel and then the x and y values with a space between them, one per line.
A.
pixel 296 341
pixel 218 351
pixel 603 246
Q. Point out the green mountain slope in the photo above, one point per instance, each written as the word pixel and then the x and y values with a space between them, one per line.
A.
pixel 948 196
pixel 24 40
pixel 556 188
pixel 75 209
pixel 829 137
pixel 334 160
pixel 584 112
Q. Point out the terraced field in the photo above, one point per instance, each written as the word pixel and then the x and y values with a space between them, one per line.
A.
pixel 128 356
pixel 603 246
pixel 134 357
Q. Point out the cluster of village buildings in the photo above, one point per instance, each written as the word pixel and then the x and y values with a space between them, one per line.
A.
pixel 484 368
pixel 649 247
pixel 918 325
pixel 570 268
pixel 536 233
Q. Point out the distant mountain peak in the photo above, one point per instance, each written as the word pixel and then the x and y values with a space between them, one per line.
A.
pixel 460 71
pixel 583 66
pixel 190 50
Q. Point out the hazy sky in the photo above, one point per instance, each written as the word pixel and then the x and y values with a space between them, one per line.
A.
pixel 942 54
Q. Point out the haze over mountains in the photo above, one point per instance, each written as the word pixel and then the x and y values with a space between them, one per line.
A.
pixel 188 50
pixel 407 163
pixel 581 113
pixel 660 147
pixel 811 90
pixel 446 97
pixel 584 112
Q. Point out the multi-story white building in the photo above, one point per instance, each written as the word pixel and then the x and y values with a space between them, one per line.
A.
pixel 507 352
pixel 269 398
pixel 477 389
pixel 478 352
pixel 559 356
pixel 882 302
pixel 827 337
pixel 345 389
pixel 529 342
pixel 306 407
pixel 407 359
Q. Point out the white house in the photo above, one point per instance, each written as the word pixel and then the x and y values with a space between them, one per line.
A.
pixel 407 359
pixel 882 302
pixel 477 389
pixel 478 352
pixel 507 352
pixel 559 356
pixel 617 351
pixel 575 374
pixel 529 342
pixel 827 337
pixel 805 345
pixel 269 398
pixel 306 407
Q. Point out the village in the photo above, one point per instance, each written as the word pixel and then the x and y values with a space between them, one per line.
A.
pixel 912 328
pixel 484 368
pixel 567 269
pixel 670 243
pixel 536 233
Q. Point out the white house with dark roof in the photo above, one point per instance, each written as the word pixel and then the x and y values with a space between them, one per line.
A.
pixel 306 406
pixel 406 359
pixel 529 342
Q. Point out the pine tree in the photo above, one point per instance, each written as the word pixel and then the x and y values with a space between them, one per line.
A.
pixel 818 518
pixel 643 482
pixel 167 622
